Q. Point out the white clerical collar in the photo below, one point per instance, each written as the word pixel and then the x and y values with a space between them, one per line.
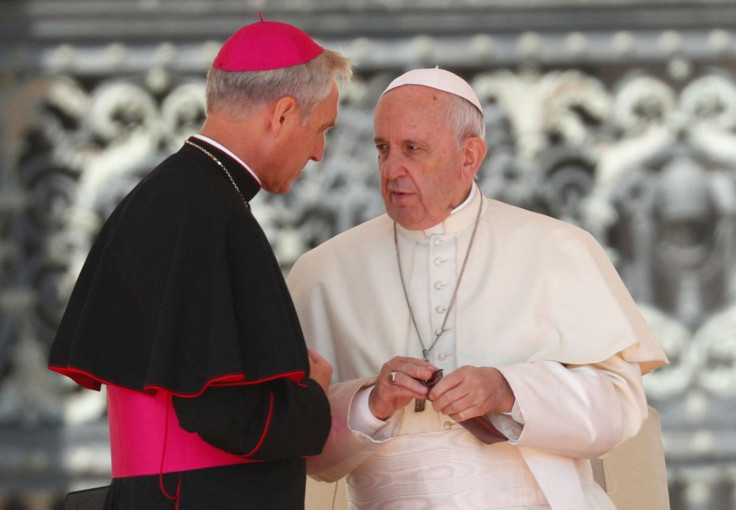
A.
pixel 229 153
pixel 440 227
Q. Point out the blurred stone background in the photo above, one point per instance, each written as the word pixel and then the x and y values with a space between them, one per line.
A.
pixel 616 115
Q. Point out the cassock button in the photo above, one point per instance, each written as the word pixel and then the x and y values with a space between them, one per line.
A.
pixel 440 309
pixel 438 261
pixel 442 356
pixel 437 241
pixel 439 285
pixel 447 425
pixel 438 331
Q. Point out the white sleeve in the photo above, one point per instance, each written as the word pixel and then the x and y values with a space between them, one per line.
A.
pixel 509 424
pixel 577 410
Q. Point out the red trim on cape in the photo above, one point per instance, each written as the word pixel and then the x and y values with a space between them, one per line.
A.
pixel 92 382
pixel 266 427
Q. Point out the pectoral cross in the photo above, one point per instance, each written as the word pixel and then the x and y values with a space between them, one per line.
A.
pixel 419 404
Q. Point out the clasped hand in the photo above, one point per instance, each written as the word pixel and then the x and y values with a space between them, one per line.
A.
pixel 462 394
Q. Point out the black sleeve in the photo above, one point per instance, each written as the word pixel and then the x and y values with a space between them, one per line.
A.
pixel 267 421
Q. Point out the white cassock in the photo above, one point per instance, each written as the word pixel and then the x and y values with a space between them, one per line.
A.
pixel 539 300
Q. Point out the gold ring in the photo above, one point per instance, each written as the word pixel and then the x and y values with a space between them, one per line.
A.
pixel 392 377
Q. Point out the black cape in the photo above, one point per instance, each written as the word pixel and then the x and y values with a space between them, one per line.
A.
pixel 181 292
pixel 181 289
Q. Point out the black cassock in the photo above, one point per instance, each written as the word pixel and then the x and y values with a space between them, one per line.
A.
pixel 181 293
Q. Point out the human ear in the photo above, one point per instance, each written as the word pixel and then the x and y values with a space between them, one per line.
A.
pixel 474 153
pixel 284 111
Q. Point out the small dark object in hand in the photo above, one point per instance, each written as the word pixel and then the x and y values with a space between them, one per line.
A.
pixel 429 383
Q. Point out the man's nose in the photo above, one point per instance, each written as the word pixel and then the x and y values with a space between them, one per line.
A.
pixel 319 150
pixel 392 165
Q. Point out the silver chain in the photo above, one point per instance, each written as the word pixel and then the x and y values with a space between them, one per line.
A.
pixel 426 350
pixel 227 172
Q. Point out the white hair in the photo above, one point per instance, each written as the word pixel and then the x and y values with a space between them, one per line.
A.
pixel 466 118
pixel 242 93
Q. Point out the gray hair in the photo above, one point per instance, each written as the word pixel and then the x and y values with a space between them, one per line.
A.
pixel 466 118
pixel 242 93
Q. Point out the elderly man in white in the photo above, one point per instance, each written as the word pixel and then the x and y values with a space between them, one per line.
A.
pixel 541 346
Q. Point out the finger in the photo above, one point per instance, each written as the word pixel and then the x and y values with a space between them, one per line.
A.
pixel 448 401
pixel 314 355
pixel 386 398
pixel 401 384
pixel 466 414
pixel 409 368
pixel 382 405
pixel 465 407
pixel 413 367
pixel 442 390
pixel 456 393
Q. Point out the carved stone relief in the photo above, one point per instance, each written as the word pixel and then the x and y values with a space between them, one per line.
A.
pixel 644 157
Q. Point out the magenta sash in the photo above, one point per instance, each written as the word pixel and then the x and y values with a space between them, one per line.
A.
pixel 146 439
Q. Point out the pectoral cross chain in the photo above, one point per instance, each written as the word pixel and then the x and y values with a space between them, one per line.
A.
pixel 420 403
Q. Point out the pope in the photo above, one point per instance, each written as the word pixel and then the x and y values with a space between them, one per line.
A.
pixel 181 310
pixel 541 348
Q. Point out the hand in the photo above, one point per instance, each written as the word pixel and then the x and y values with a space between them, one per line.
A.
pixel 386 397
pixel 472 391
pixel 319 369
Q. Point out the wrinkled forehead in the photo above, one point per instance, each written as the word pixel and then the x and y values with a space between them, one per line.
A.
pixel 416 99
pixel 412 113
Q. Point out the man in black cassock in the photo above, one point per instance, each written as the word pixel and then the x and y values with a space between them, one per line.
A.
pixel 181 309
